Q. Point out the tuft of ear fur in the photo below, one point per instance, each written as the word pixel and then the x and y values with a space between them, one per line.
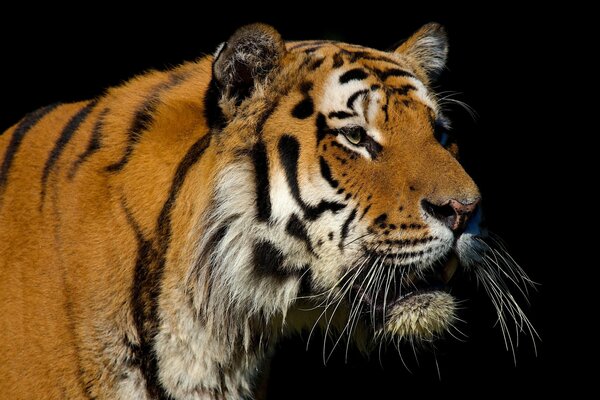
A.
pixel 246 59
pixel 428 47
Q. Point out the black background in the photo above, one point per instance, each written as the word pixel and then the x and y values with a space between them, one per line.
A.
pixel 498 59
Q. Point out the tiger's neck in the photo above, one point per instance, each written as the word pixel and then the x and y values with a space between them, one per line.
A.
pixel 215 276
pixel 206 317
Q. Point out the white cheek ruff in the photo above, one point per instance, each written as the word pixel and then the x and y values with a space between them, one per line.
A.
pixel 282 200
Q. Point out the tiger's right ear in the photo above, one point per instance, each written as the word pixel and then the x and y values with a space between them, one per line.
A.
pixel 249 55
pixel 428 47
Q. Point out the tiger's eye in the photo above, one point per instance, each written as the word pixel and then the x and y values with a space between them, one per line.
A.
pixel 355 135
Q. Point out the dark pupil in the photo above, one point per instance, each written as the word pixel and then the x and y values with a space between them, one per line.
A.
pixel 355 135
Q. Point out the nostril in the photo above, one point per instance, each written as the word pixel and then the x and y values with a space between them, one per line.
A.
pixel 461 208
pixel 441 212
pixel 453 213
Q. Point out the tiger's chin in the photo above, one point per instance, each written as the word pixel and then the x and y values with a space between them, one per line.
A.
pixel 423 310
pixel 422 315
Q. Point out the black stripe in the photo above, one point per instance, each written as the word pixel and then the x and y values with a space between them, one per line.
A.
pixel 403 90
pixel 143 291
pixel 261 170
pixel 372 147
pixel 316 64
pixel 94 144
pixel 207 257
pixel 352 99
pixel 268 261
pixel 357 74
pixel 326 172
pixel 383 75
pixel 384 108
pixel 220 233
pixel 296 228
pixel 212 110
pixel 311 50
pixel 164 219
pixel 364 55
pixel 380 219
pixel 322 128
pixel 62 141
pixel 314 212
pixel 143 119
pixel 85 383
pixel 365 211
pixel 340 115
pixel 310 43
pixel 306 87
pixel 149 272
pixel 289 154
pixel 306 281
pixel 338 60
pixel 346 228
pixel 342 160
pixel 303 109
pixel 28 122
pixel 260 126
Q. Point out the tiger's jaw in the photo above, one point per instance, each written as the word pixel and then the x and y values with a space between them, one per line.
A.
pixel 408 297
pixel 410 302
pixel 426 309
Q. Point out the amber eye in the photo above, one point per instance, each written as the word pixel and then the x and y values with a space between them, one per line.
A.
pixel 355 134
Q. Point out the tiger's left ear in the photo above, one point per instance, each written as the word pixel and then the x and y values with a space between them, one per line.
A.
pixel 249 55
pixel 428 48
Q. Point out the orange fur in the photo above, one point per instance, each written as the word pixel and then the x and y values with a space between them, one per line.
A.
pixel 68 264
pixel 67 268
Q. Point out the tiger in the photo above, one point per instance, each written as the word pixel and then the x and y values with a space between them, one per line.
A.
pixel 158 240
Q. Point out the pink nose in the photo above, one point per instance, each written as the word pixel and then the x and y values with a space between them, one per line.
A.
pixel 453 213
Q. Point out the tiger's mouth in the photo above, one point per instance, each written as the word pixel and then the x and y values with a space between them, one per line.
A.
pixel 408 300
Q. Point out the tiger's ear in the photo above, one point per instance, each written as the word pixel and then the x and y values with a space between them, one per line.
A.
pixel 246 58
pixel 428 48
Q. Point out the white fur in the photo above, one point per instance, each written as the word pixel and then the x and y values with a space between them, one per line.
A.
pixel 133 386
pixel 423 94
pixel 335 98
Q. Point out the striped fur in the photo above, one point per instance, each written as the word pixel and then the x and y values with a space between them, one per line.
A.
pixel 157 240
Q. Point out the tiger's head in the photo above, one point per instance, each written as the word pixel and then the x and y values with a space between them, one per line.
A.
pixel 339 184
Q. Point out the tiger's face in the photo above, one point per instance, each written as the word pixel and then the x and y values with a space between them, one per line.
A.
pixel 358 201
pixel 368 183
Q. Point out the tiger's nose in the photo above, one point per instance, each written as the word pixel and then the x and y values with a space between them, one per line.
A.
pixel 452 213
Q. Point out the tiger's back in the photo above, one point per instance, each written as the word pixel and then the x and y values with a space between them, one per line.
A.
pixel 66 245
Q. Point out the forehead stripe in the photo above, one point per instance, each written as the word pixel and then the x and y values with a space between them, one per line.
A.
pixel 352 99
pixel 341 115
pixel 383 75
pixel 357 74
pixel 403 90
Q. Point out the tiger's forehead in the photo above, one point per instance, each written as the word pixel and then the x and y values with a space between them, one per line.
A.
pixel 352 69
pixel 350 52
